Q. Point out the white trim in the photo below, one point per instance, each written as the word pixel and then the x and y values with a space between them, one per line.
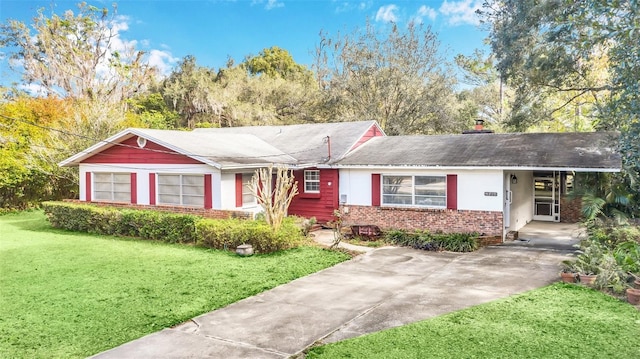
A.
pixel 305 181
pixel 466 168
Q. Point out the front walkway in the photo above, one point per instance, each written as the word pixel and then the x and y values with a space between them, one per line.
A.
pixel 380 289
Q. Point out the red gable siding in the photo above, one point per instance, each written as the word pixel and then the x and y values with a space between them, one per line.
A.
pixel 373 131
pixel 131 153
pixel 320 205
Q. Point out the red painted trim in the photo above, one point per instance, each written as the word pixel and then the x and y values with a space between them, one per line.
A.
pixel 129 152
pixel 87 186
pixel 208 193
pixel 152 189
pixel 238 189
pixel 134 188
pixel 375 189
pixel 452 191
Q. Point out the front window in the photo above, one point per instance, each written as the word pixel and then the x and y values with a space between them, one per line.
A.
pixel 181 190
pixel 312 181
pixel 112 187
pixel 427 191
pixel 247 196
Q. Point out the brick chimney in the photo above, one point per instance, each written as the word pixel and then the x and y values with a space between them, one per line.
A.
pixel 479 128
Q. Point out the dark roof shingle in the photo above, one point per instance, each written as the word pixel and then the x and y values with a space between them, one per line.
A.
pixel 592 150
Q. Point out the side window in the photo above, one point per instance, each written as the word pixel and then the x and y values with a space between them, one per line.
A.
pixel 112 187
pixel 247 196
pixel 181 190
pixel 312 181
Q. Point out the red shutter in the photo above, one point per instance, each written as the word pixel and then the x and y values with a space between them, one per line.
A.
pixel 134 188
pixel 452 191
pixel 208 195
pixel 152 189
pixel 87 186
pixel 375 189
pixel 238 189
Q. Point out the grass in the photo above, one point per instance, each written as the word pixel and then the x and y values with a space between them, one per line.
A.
pixel 365 242
pixel 66 295
pixel 558 321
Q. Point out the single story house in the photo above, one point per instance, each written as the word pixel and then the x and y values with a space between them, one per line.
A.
pixel 479 181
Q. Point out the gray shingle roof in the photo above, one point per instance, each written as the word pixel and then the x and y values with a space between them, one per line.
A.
pixel 305 142
pixel 302 145
pixel 594 150
pixel 226 149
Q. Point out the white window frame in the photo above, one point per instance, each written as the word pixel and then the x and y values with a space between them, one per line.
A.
pixel 246 190
pixel 311 181
pixel 414 196
pixel 181 190
pixel 113 184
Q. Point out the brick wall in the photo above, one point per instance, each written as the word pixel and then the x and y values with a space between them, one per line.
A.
pixel 570 210
pixel 488 223
pixel 208 213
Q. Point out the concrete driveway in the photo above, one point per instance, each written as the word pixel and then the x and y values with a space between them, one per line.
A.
pixel 383 288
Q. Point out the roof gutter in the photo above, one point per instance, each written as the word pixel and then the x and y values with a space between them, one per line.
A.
pixel 500 168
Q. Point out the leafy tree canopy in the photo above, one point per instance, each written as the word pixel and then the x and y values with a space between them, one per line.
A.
pixel 394 76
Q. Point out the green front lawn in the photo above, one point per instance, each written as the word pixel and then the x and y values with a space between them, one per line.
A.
pixel 559 321
pixel 68 294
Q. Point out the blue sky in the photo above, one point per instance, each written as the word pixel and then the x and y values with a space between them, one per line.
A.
pixel 212 30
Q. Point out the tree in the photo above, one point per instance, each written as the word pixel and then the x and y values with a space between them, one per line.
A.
pixel 235 96
pixel 29 152
pixel 274 197
pixel 190 89
pixel 539 55
pixel 395 77
pixel 151 111
pixel 276 62
pixel 77 56
pixel 588 51
pixel 487 99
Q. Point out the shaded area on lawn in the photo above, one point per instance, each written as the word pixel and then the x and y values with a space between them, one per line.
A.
pixel 558 321
pixel 66 294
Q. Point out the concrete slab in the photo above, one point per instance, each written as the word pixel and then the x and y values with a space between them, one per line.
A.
pixel 380 289
pixel 549 235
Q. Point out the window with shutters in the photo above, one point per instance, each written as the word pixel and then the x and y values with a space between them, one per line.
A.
pixel 109 186
pixel 180 189
pixel 425 191
pixel 248 198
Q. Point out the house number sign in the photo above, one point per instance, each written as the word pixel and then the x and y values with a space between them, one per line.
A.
pixel 491 194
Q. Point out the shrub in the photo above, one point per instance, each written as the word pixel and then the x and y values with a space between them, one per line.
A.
pixel 454 242
pixel 167 227
pixel 230 233
pixel 82 218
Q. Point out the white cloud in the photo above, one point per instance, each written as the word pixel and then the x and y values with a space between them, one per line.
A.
pixel 162 60
pixel 461 12
pixel 270 4
pixel 34 89
pixel 424 11
pixel 387 13
pixel 345 6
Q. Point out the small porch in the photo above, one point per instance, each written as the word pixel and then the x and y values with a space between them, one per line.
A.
pixel 549 235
